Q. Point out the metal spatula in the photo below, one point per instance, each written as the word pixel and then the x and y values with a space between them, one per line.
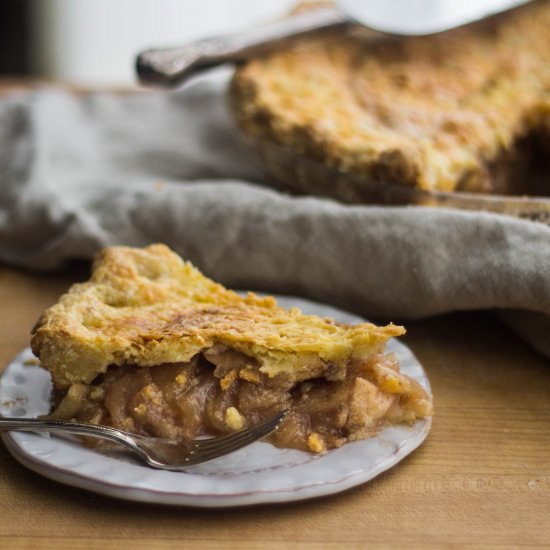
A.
pixel 172 66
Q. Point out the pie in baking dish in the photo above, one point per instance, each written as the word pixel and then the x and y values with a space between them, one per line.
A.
pixel 467 109
pixel 150 345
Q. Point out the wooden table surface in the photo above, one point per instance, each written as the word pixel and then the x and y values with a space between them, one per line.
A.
pixel 481 478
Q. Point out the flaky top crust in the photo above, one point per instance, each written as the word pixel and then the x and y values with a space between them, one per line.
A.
pixel 147 306
pixel 432 112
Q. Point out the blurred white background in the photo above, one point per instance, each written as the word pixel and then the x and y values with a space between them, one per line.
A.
pixel 95 41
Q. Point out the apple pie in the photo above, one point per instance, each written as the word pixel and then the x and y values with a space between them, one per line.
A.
pixel 464 110
pixel 152 346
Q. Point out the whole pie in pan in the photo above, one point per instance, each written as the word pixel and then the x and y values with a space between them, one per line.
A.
pixel 150 345
pixel 468 109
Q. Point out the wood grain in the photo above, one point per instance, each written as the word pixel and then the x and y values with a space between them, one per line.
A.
pixel 482 478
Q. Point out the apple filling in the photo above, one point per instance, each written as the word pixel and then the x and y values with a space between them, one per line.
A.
pixel 221 390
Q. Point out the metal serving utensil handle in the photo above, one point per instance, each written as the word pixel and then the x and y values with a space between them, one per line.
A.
pixel 169 67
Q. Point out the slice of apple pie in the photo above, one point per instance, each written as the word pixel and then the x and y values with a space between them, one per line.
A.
pixel 150 345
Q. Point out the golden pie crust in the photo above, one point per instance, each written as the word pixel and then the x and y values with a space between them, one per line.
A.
pixel 445 112
pixel 151 345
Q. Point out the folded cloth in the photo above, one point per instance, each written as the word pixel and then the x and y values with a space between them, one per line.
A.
pixel 80 172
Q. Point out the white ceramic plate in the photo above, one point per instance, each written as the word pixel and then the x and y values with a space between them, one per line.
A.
pixel 256 474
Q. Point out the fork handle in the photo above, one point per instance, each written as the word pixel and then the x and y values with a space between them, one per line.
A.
pixel 169 67
pixel 59 426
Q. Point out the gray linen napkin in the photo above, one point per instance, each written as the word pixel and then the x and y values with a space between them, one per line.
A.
pixel 81 172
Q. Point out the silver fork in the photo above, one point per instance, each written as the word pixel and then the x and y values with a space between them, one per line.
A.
pixel 163 454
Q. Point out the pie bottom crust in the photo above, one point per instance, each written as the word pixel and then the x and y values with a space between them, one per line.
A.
pixel 517 186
